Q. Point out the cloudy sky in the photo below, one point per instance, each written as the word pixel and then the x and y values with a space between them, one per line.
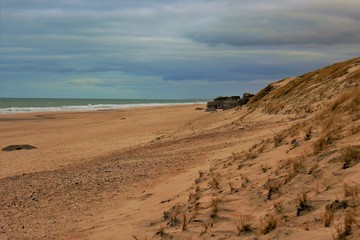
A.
pixel 168 49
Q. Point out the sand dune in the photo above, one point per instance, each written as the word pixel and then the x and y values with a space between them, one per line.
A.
pixel 283 167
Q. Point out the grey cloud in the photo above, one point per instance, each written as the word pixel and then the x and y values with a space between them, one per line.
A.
pixel 305 23
pixel 164 42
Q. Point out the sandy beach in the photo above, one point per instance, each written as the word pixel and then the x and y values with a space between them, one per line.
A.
pixel 64 138
pixel 89 166
pixel 76 185
pixel 284 166
pixel 71 145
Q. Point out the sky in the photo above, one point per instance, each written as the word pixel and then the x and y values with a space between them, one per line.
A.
pixel 168 49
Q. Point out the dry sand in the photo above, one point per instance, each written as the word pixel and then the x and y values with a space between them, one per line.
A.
pixel 139 173
pixel 107 174
pixel 50 190
pixel 77 137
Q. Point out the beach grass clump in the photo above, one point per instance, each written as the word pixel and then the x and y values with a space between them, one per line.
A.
pixel 232 188
pixel 325 141
pixel 260 95
pixel 328 217
pixel 298 165
pixel 214 183
pixel 184 223
pixel 268 224
pixel 264 168
pixel 243 225
pixel 344 230
pixel 250 156
pixel 237 156
pixel 272 186
pixel 354 129
pixel 244 180
pixel 172 215
pixel 161 231
pixel 136 238
pixel 350 156
pixel 278 207
pixel 205 228
pixel 349 101
pixel 303 204
pixel 351 192
pixel 273 107
pixel 214 208
pixel 278 139
pixel 193 197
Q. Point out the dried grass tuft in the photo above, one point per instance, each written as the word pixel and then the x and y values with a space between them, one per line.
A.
pixel 161 231
pixel 303 204
pixel 345 229
pixel 206 226
pixel 272 186
pixel 268 224
pixel 325 141
pixel 328 217
pixel 214 208
pixel 243 225
pixel 185 222
pixel 350 156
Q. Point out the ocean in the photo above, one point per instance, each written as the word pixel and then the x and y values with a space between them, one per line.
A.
pixel 22 105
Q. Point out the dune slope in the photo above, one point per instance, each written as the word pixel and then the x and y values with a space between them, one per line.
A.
pixel 301 180
pixel 283 167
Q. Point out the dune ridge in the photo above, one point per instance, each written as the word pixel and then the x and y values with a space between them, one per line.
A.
pixel 300 181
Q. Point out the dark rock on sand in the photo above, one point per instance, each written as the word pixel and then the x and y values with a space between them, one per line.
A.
pixel 17 147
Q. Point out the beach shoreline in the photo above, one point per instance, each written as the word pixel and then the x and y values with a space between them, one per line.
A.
pixel 89 165
pixel 70 137
pixel 49 105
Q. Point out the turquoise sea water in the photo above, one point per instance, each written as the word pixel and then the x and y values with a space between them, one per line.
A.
pixel 20 105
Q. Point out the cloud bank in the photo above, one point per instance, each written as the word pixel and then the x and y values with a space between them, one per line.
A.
pixel 168 49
